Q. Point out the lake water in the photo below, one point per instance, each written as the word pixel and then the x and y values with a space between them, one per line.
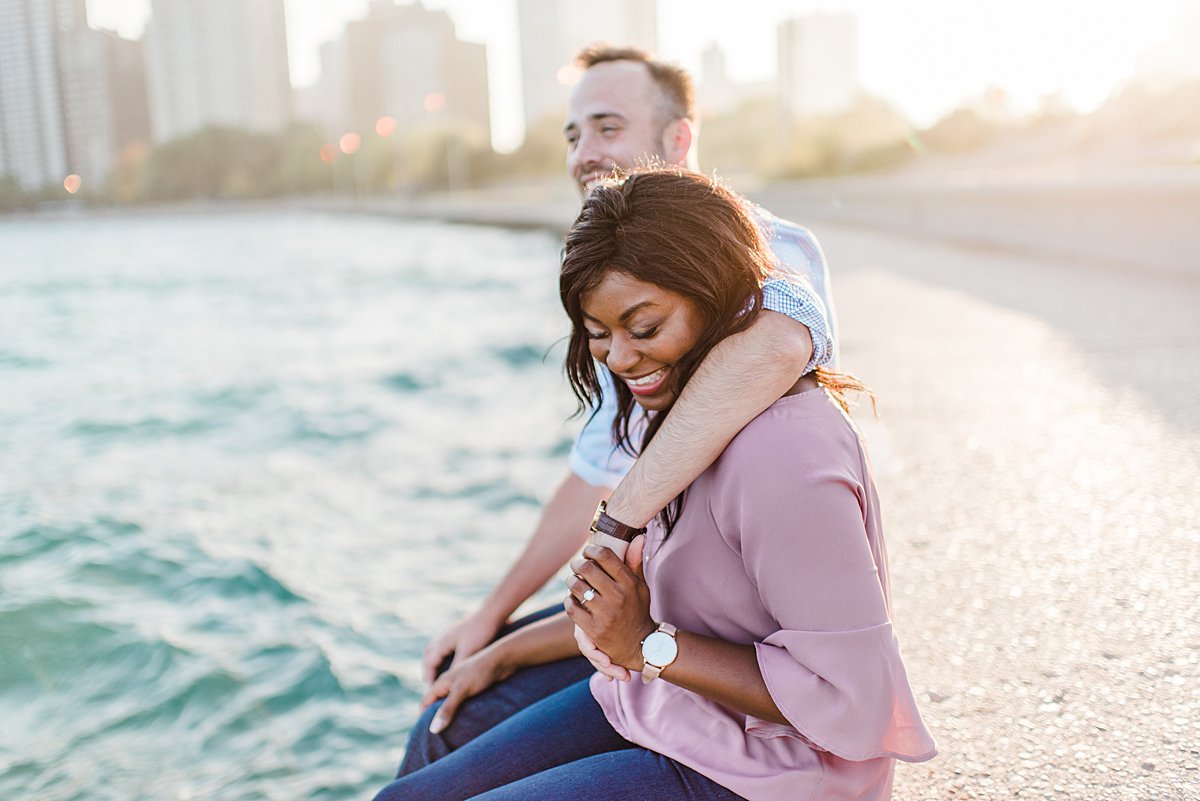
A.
pixel 249 463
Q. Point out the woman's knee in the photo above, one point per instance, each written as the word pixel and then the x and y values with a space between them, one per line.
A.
pixel 423 747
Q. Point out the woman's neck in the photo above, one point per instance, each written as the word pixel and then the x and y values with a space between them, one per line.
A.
pixel 806 382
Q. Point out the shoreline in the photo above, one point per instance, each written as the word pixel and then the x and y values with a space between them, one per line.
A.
pixel 1137 221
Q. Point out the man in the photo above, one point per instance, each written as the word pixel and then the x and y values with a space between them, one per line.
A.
pixel 626 109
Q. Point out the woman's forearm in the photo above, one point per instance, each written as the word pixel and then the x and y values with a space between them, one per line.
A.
pixel 547 640
pixel 725 672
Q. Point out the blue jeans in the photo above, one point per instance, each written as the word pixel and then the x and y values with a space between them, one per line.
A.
pixel 561 748
pixel 538 734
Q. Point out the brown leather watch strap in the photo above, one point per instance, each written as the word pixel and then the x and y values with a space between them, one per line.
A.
pixel 604 523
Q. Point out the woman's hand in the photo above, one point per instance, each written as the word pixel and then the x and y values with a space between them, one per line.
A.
pixel 462 639
pixel 615 618
pixel 467 678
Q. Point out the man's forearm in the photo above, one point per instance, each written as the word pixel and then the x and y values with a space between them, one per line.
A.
pixel 742 376
pixel 559 535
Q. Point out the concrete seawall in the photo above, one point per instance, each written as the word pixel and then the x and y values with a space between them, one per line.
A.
pixel 1143 222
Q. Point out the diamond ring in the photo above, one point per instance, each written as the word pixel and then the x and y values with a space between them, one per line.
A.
pixel 588 595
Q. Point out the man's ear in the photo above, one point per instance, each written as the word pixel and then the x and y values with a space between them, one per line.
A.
pixel 677 141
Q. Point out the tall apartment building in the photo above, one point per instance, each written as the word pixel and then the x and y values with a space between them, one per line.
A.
pixel 553 31
pixel 103 80
pixel 35 148
pixel 217 63
pixel 818 64
pixel 404 62
pixel 718 94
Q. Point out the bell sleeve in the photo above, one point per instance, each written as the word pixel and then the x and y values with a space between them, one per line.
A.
pixel 805 523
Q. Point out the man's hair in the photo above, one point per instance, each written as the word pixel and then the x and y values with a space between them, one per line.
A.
pixel 673 82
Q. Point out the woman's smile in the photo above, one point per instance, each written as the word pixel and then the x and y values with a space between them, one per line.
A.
pixel 647 384
pixel 640 331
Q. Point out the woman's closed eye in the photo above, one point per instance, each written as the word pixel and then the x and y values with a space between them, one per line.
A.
pixel 595 334
pixel 649 332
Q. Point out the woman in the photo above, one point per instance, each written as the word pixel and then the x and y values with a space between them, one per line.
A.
pixel 755 607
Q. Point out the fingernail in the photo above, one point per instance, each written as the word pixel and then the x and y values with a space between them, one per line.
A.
pixel 437 724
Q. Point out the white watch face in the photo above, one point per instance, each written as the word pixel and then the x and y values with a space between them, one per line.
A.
pixel 659 649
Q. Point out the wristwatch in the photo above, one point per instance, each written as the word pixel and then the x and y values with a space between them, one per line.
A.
pixel 658 651
pixel 604 523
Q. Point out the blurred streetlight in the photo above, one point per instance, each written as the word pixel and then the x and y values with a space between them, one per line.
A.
pixel 385 126
pixel 435 102
pixel 328 153
pixel 350 143
pixel 72 183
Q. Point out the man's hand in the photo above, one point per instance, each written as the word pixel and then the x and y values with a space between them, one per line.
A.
pixel 616 616
pixel 598 658
pixel 466 637
pixel 468 677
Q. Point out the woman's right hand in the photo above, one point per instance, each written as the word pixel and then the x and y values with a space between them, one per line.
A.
pixel 467 678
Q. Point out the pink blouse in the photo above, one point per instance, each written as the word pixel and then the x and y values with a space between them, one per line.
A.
pixel 780 545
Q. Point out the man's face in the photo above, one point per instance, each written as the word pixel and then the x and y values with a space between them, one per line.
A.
pixel 614 120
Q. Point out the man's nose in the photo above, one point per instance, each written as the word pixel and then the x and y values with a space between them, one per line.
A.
pixel 585 157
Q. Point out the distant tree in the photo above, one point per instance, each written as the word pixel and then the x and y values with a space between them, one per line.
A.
pixel 301 170
pixel 12 198
pixel 214 163
pixel 961 129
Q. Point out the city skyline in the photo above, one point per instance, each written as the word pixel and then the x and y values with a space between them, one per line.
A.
pixel 927 58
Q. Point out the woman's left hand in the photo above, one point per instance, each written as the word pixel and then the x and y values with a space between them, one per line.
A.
pixel 466 679
pixel 617 616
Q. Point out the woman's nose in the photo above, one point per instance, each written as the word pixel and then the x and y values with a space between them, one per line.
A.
pixel 622 356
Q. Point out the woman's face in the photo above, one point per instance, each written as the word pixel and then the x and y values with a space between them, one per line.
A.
pixel 640 331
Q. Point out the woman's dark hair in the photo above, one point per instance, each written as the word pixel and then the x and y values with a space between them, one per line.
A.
pixel 683 232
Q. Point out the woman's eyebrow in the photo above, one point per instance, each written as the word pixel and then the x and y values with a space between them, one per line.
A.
pixel 625 315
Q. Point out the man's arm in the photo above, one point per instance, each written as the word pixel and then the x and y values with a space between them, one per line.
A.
pixel 742 376
pixel 559 535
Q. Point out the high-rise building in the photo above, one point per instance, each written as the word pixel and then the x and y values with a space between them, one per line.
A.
pixel 718 94
pixel 103 80
pixel 217 63
pixel 818 64
pixel 553 31
pixel 404 62
pixel 35 148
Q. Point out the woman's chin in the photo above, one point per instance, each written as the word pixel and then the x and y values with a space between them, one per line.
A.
pixel 656 402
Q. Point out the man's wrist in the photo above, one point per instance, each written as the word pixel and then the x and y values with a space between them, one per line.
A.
pixel 493 613
pixel 604 522
pixel 620 510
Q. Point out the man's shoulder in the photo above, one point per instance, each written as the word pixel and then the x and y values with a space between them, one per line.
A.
pixel 777 227
pixel 784 235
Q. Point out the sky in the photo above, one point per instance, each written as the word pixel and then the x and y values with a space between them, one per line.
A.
pixel 927 57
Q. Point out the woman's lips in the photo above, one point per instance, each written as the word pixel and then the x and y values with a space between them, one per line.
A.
pixel 647 384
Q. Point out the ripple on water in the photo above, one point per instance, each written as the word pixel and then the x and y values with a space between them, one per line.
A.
pixel 406 382
pixel 19 361
pixel 147 428
pixel 523 355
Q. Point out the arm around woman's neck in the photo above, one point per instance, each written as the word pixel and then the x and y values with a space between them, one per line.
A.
pixel 742 376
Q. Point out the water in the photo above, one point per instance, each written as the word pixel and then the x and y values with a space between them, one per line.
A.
pixel 249 463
